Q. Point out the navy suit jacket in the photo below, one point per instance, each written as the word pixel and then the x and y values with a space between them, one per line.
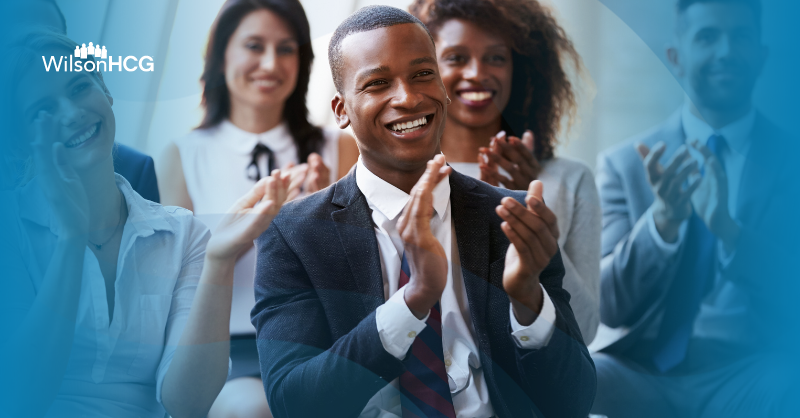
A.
pixel 138 169
pixel 318 284
pixel 637 283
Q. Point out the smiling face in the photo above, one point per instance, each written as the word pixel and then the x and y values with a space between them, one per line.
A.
pixel 719 54
pixel 261 61
pixel 80 108
pixel 476 69
pixel 393 97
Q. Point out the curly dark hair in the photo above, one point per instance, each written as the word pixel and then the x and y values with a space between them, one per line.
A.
pixel 216 101
pixel 542 93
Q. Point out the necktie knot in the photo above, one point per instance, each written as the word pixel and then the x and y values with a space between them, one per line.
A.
pixel 716 143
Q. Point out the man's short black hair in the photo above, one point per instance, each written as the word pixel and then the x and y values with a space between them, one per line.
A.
pixel 754 5
pixel 363 20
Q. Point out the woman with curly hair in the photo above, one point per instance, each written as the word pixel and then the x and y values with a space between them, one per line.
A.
pixel 504 64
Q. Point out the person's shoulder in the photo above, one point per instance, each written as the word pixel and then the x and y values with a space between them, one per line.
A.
pixel 666 131
pixel 566 168
pixel 159 217
pixel 317 205
pixel 130 153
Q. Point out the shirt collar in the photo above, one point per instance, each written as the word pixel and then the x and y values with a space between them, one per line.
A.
pixel 145 216
pixel 277 139
pixel 390 200
pixel 736 134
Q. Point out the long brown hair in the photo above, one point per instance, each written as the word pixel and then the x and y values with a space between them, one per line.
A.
pixel 542 93
pixel 216 97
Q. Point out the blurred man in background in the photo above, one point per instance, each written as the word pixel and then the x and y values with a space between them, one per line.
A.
pixel 698 238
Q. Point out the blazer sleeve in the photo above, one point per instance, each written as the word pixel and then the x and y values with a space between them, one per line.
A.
pixel 560 377
pixel 305 372
pixel 633 269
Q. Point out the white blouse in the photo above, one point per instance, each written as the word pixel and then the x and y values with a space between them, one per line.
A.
pixel 214 165
pixel 570 192
pixel 116 368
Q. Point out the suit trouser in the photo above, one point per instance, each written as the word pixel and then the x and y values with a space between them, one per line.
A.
pixel 706 385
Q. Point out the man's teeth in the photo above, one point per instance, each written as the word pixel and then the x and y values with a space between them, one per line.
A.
pixel 412 126
pixel 81 139
pixel 476 96
pixel 265 83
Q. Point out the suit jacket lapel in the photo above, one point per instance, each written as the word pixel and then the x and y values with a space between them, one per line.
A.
pixel 357 236
pixel 472 236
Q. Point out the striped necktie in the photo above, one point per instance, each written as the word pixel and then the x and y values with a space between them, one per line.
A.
pixel 424 388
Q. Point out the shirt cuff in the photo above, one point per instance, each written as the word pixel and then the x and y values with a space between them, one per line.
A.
pixel 537 334
pixel 666 247
pixel 397 325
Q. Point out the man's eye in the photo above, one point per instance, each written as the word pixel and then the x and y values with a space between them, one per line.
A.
pixel 424 73
pixel 499 59
pixel 376 83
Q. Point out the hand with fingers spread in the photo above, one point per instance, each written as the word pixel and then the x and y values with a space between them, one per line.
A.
pixel 672 187
pixel 426 258
pixel 318 175
pixel 710 200
pixel 533 233
pixel 515 156
pixel 58 180
pixel 248 218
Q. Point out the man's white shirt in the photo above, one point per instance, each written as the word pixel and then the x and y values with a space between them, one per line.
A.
pixel 398 327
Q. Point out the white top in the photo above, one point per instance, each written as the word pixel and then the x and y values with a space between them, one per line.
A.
pixel 395 321
pixel 214 165
pixel 117 368
pixel 570 192
pixel 724 312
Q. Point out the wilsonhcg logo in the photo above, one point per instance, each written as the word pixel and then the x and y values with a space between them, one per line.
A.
pixel 70 64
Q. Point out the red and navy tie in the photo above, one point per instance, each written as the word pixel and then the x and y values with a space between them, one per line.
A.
pixel 426 393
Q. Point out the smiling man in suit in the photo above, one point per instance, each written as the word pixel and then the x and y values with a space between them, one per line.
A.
pixel 407 289
pixel 700 240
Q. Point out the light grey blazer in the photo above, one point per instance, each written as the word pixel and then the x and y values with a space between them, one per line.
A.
pixel 636 276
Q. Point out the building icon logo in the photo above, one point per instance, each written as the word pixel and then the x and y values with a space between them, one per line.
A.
pixel 93 58
pixel 83 52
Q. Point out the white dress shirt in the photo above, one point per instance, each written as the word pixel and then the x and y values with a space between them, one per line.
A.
pixel 398 327
pixel 214 162
pixel 724 312
pixel 116 367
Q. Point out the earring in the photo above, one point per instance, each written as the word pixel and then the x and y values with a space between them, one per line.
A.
pixel 449 101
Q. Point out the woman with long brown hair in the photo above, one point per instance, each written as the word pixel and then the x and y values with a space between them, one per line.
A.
pixel 255 80
pixel 505 65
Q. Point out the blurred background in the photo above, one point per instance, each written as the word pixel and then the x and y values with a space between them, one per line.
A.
pixel 627 87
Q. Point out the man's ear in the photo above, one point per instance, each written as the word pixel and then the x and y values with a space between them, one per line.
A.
pixel 673 58
pixel 339 111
